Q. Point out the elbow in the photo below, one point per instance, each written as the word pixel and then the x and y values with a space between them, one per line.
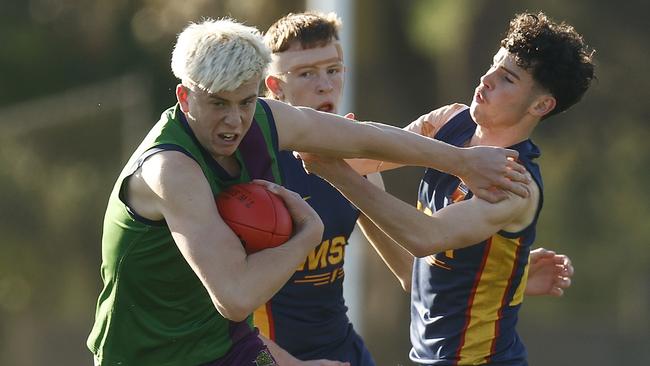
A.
pixel 234 313
pixel 430 244
pixel 419 242
pixel 236 310
pixel 430 249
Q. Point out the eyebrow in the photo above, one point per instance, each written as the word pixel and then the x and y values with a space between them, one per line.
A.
pixel 514 75
pixel 496 60
pixel 216 97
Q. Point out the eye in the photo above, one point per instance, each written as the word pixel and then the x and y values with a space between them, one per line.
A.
pixel 335 70
pixel 306 74
pixel 248 102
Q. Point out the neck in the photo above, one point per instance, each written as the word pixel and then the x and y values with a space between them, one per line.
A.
pixel 502 136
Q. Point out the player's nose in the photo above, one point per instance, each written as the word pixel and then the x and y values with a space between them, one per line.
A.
pixel 233 117
pixel 486 79
pixel 324 83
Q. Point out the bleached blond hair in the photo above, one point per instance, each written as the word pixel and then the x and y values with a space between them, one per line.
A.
pixel 219 55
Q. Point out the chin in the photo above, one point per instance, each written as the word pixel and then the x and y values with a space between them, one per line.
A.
pixel 224 151
pixel 473 110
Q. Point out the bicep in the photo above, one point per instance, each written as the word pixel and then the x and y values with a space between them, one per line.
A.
pixel 307 130
pixel 186 202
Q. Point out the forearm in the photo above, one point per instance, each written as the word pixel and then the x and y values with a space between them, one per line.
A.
pixel 397 147
pixel 260 275
pixel 396 258
pixel 371 140
pixel 416 232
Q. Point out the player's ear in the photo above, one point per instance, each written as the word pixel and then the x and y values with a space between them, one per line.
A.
pixel 182 95
pixel 274 85
pixel 543 105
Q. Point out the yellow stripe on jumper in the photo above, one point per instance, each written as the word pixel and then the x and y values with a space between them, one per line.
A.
pixel 483 312
pixel 262 321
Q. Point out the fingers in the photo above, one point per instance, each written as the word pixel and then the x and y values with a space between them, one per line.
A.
pixel 541 254
pixel 568 266
pixel 511 154
pixel 269 185
pixel 284 193
pixel 563 282
pixel 556 291
pixel 517 173
pixel 491 195
pixel 350 116
pixel 517 188
pixel 564 264
pixel 513 165
pixel 568 270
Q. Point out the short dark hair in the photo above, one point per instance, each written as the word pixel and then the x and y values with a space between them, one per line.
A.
pixel 310 29
pixel 555 54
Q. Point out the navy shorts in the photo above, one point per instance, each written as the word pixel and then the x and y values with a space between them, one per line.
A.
pixel 351 350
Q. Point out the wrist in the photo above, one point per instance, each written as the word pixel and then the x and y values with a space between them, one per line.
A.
pixel 457 165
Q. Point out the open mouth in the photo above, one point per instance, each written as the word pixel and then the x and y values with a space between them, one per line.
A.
pixel 228 136
pixel 478 96
pixel 326 107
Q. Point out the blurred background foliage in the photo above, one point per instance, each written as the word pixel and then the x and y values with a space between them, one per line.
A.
pixel 81 81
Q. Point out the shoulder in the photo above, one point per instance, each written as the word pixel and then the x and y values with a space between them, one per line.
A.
pixel 170 170
pixel 429 124
pixel 162 177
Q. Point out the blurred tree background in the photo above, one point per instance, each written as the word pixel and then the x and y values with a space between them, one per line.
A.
pixel 81 82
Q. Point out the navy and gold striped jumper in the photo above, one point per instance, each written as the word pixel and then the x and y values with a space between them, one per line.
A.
pixel 465 301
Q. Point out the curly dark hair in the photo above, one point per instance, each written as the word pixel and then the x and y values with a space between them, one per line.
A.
pixel 555 54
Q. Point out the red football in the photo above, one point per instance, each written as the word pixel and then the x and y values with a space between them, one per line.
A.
pixel 258 217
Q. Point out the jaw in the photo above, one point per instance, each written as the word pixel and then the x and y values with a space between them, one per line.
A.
pixel 220 147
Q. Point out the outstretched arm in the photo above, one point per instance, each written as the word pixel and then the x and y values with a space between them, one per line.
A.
pixel 422 234
pixel 481 168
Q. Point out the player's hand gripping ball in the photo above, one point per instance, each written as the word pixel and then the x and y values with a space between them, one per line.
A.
pixel 258 217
